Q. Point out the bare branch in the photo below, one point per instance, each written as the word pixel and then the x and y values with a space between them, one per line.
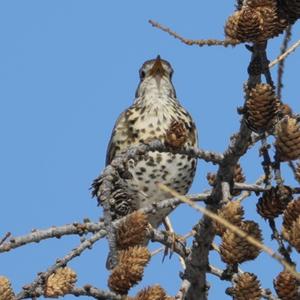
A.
pixel 86 290
pixel 283 48
pixel 281 247
pixel 201 43
pixel 53 232
pixel 91 291
pixel 6 236
pixel 250 187
pixel 285 54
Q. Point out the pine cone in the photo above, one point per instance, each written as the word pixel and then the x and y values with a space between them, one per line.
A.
pixel 261 107
pixel 249 25
pixel 257 21
pixel 231 26
pixel 6 292
pixel 129 270
pixel 290 215
pixel 273 202
pixel 291 8
pixel 232 212
pixel 286 286
pixel 60 283
pixel 247 287
pixel 259 3
pixel 273 22
pixel 151 293
pixel 121 203
pixel 235 249
pixel 288 139
pixel 132 231
pixel 244 25
pixel 176 135
pixel 294 234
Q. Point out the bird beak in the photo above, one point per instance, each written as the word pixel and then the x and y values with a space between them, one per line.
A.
pixel 157 70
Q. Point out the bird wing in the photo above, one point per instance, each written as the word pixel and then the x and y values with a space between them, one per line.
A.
pixel 112 147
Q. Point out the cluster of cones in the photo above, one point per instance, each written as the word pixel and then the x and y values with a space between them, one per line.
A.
pixel 235 249
pixel 273 203
pixel 57 284
pixel 247 286
pixel 133 257
pixel 259 20
pixel 279 201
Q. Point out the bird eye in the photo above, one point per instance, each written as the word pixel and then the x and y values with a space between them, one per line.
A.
pixel 142 74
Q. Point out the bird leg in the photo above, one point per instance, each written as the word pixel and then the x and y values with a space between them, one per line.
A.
pixel 176 238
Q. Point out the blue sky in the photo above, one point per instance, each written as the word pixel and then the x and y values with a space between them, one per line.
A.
pixel 68 68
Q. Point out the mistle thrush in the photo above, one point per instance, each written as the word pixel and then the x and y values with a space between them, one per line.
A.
pixel 155 114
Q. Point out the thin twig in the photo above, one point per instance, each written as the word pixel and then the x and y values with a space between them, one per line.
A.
pixel 285 54
pixel 7 235
pixel 282 249
pixel 234 229
pixel 277 172
pixel 201 43
pixel 294 169
pixel 283 48
pixel 246 193
pixel 266 163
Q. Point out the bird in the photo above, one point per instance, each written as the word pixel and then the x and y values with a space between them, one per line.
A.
pixel 156 113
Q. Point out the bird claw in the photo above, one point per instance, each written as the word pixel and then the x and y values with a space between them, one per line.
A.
pixel 175 239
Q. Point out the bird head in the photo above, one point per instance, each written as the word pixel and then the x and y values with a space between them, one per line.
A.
pixel 156 75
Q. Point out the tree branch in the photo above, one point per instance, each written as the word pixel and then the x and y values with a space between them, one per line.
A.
pixel 201 43
pixel 285 54
pixel 29 290
pixel 283 48
pixel 53 232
